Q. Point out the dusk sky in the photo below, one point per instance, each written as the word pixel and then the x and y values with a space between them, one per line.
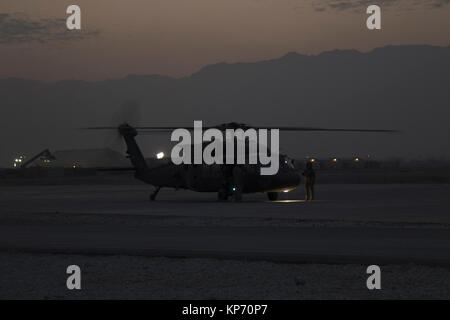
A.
pixel 178 37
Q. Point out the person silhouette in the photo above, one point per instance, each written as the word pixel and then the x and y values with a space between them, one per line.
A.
pixel 310 179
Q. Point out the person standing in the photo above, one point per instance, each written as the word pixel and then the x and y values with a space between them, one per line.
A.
pixel 310 178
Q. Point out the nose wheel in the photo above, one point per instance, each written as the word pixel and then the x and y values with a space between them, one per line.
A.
pixel 154 194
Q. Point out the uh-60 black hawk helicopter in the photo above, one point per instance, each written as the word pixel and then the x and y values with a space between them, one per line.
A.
pixel 224 179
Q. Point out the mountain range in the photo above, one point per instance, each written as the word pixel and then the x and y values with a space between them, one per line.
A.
pixel 395 87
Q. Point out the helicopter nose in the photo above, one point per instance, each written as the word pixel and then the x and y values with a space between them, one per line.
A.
pixel 291 179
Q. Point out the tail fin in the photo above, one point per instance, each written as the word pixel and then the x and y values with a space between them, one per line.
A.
pixel 134 153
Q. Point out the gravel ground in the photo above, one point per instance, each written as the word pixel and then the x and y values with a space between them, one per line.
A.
pixel 42 276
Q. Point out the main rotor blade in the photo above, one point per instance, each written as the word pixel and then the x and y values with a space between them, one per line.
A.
pixel 152 129
pixel 329 129
pixel 99 128
pixel 294 129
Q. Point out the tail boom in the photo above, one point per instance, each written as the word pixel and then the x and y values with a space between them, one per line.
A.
pixel 133 151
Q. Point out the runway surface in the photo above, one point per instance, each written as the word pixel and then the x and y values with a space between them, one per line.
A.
pixel 379 224
pixel 285 244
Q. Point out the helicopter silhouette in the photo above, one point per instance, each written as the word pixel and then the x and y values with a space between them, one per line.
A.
pixel 227 180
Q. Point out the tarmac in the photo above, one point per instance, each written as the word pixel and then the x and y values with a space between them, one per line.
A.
pixel 380 224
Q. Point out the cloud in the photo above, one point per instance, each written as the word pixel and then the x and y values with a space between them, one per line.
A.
pixel 19 28
pixel 322 5
pixel 441 3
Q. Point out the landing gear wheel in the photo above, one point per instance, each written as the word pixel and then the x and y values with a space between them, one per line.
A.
pixel 237 196
pixel 154 194
pixel 272 196
pixel 222 195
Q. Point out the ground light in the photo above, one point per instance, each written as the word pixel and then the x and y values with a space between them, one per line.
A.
pixel 18 161
pixel 160 155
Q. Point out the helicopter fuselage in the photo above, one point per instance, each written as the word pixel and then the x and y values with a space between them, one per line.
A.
pixel 210 178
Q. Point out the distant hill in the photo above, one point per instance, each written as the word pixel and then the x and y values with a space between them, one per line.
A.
pixel 399 87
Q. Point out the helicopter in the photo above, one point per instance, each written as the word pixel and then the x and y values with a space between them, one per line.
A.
pixel 227 180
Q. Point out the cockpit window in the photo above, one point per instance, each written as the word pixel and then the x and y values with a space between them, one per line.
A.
pixel 289 162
